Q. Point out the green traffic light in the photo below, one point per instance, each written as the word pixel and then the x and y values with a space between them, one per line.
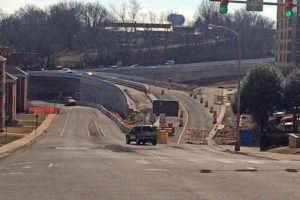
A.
pixel 289 13
pixel 223 10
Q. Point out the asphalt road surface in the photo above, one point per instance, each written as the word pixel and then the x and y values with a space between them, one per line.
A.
pixel 84 156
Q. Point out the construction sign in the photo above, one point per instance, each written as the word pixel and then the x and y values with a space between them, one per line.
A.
pixel 198 135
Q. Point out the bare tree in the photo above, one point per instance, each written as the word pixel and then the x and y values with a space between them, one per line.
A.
pixel 152 17
pixel 134 8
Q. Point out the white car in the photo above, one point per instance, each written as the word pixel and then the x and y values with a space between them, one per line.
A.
pixel 170 62
pixel 89 73
pixel 66 70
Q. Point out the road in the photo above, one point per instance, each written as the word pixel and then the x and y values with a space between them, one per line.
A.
pixel 83 156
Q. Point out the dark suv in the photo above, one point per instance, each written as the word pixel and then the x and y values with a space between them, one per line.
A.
pixel 142 134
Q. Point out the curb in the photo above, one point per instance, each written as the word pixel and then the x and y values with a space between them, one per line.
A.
pixel 27 140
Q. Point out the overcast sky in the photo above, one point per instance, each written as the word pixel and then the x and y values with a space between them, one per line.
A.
pixel 185 7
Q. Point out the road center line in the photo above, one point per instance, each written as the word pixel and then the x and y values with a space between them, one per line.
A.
pixel 99 129
pixel 187 119
pixel 87 127
pixel 62 132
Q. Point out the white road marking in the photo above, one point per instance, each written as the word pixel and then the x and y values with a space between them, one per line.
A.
pixel 194 160
pixel 226 161
pixel 26 163
pixel 99 128
pixel 157 170
pixel 27 167
pixel 71 148
pixel 62 132
pixel 145 162
pixel 87 127
pixel 251 168
pixel 51 165
pixel 255 161
pixel 187 119
pixel 16 173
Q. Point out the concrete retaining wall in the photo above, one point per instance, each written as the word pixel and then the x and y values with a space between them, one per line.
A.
pixel 194 72
pixel 91 89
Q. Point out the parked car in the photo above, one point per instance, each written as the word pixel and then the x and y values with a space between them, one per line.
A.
pixel 70 101
pixel 170 62
pixel 142 134
pixel 89 73
pixel 66 70
pixel 136 65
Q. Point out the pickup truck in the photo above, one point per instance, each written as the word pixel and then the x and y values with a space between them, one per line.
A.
pixel 142 134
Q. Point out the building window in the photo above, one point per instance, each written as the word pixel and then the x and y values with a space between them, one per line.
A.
pixel 289 34
pixel 288 58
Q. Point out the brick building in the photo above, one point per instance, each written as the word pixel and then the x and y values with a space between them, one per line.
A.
pixel 2 91
pixel 287 51
pixel 10 97
pixel 21 87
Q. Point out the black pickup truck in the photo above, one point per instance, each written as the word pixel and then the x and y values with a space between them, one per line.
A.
pixel 142 134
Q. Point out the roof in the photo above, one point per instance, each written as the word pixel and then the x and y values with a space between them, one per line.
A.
pixel 2 59
pixel 15 71
pixel 10 77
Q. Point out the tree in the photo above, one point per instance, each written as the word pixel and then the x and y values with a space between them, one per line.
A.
pixel 261 93
pixel 292 96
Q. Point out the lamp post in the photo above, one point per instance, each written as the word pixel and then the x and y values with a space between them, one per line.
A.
pixel 238 34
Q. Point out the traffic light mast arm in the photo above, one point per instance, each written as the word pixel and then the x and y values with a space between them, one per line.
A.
pixel 264 3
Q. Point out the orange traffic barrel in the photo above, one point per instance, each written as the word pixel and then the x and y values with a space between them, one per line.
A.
pixel 206 103
pixel 215 113
pixel 214 119
pixel 191 93
pixel 195 96
pixel 201 100
pixel 181 114
pixel 181 123
pixel 162 92
pixel 211 109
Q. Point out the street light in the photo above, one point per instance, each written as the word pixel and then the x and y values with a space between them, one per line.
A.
pixel 238 34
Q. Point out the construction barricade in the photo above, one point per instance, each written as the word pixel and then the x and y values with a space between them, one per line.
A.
pixel 197 135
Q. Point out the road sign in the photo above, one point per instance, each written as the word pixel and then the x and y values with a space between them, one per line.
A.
pixel 152 118
pixel 162 120
pixel 254 5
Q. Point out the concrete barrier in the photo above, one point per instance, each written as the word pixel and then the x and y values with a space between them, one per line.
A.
pixel 294 141
pixel 109 114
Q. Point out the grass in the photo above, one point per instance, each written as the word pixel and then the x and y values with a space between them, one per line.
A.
pixel 19 130
pixel 10 138
pixel 285 150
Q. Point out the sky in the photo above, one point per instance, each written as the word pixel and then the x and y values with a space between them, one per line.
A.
pixel 185 7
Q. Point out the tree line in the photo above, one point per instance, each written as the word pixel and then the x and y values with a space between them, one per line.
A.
pixel 265 90
pixel 78 27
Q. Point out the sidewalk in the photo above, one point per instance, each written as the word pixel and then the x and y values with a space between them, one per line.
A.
pixel 28 139
pixel 250 151
pixel 254 151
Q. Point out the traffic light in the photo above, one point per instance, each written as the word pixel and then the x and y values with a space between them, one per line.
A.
pixel 224 6
pixel 288 9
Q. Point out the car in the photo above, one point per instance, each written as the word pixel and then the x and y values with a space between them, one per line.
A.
pixel 141 134
pixel 66 70
pixel 70 101
pixel 170 62
pixel 89 73
pixel 136 65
